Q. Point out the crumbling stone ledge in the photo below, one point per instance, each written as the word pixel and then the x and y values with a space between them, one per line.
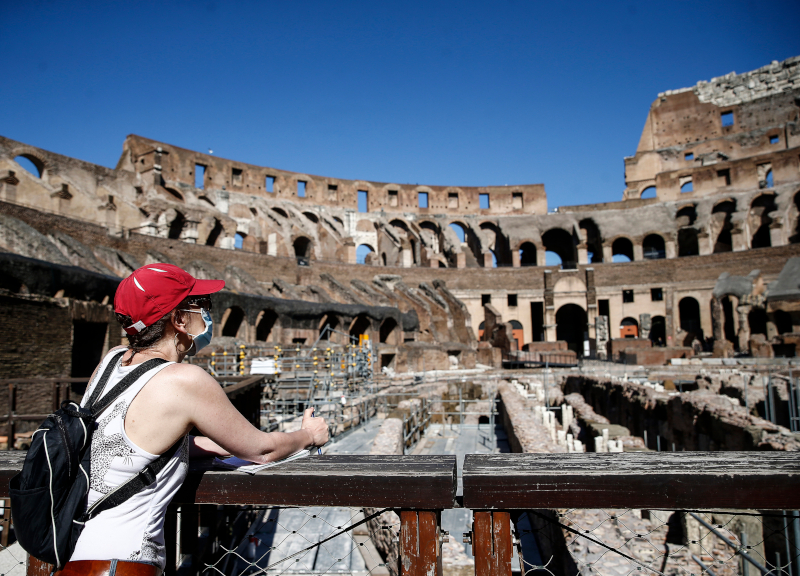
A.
pixel 525 434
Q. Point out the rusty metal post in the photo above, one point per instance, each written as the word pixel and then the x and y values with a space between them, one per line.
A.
pixel 420 543
pixel 491 543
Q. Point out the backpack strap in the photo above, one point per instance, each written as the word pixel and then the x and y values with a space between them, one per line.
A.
pixel 101 383
pixel 106 401
pixel 135 484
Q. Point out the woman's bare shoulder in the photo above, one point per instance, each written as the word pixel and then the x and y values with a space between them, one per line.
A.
pixel 187 378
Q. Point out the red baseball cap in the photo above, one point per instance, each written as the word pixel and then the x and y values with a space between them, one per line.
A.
pixel 152 291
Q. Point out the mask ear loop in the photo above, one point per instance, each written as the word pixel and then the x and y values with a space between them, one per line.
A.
pixel 175 343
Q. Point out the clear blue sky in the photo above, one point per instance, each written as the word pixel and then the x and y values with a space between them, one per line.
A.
pixel 457 93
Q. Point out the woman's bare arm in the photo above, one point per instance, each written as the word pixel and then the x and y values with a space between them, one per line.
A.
pixel 202 447
pixel 214 415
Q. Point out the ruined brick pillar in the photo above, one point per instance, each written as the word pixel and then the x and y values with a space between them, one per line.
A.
pixel 8 185
pixel 744 327
pixel 705 244
pixel 670 249
pixel 549 307
pixel 601 337
pixel 638 252
pixel 645 323
pixel 776 232
pixel 591 303
pixel 716 319
pixel 583 253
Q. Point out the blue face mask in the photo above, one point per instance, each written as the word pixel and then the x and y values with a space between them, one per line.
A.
pixel 203 339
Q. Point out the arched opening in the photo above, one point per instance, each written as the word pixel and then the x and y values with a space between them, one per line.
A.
pixel 629 328
pixel 768 181
pixel 213 236
pixel 265 324
pixel 757 320
pixel 498 244
pixel 238 240
pixel 400 225
pixel 481 327
pixel 649 192
pixel 783 321
pixel 383 258
pixel 728 327
pixel 687 242
pixel 689 315
pixel 174 193
pixel 653 247
pixel 460 231
pixel 280 212
pixel 658 331
pixel 387 327
pixel 527 254
pixel 207 200
pixel 360 326
pixel 232 321
pixel 571 327
pixel 594 242
pixel 311 216
pixel 622 250
pixel 176 226
pixel 413 251
pixel 760 220
pixel 362 252
pixel 561 243
pixel 686 216
pixel 687 186
pixel 302 247
pixel 30 164
pixel 517 333
pixel 328 324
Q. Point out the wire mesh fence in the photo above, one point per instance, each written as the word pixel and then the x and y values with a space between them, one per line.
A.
pixel 12 556
pixel 290 540
pixel 670 542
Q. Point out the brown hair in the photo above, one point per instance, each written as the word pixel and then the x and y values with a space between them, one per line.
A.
pixel 148 337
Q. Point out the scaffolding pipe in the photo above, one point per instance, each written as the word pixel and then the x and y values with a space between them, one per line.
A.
pixel 796 527
pixel 738 549
pixel 705 568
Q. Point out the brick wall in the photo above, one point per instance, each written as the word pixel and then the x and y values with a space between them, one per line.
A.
pixel 35 337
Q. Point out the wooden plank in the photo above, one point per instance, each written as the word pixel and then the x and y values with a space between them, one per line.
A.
pixel 414 482
pixel 650 480
pixel 418 482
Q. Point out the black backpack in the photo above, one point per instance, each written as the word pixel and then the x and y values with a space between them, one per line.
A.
pixel 48 497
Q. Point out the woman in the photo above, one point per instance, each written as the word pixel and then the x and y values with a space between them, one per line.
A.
pixel 164 312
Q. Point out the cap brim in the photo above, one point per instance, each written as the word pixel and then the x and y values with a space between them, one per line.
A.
pixel 206 287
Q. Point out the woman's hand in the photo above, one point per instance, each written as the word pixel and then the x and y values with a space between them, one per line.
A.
pixel 317 427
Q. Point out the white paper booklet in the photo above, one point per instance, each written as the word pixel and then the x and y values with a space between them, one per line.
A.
pixel 234 463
